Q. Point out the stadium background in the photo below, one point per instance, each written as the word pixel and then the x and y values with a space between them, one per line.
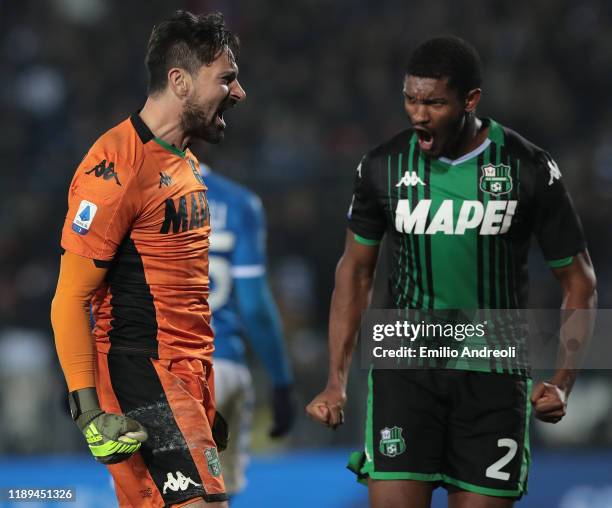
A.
pixel 323 81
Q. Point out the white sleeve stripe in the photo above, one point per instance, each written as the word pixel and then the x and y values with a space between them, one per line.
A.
pixel 247 271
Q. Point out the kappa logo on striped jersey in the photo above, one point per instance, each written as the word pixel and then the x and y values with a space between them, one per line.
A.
pixel 494 219
pixel 554 171
pixel 410 179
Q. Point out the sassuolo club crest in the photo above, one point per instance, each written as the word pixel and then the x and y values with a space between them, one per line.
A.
pixel 496 179
pixel 391 442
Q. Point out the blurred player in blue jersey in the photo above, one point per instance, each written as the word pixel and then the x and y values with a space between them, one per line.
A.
pixel 243 308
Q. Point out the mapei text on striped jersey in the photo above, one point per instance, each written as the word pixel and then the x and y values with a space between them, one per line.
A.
pixel 493 219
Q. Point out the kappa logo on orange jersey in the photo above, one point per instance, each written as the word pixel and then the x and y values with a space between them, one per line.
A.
pixel 104 171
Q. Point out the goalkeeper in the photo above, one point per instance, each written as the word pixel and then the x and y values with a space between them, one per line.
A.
pixel 135 244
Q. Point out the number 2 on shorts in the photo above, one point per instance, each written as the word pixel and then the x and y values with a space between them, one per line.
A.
pixel 494 470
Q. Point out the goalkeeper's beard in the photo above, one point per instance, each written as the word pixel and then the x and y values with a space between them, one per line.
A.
pixel 199 123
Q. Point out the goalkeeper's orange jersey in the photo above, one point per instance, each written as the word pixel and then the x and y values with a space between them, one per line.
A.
pixel 138 206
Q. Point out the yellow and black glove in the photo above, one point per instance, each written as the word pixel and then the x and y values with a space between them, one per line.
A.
pixel 111 438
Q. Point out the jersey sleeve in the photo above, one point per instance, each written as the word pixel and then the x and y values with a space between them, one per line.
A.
pixel 255 303
pixel 249 256
pixel 365 216
pixel 70 317
pixel 557 226
pixel 264 331
pixel 102 206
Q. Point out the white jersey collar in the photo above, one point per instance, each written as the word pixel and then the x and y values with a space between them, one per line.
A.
pixel 467 156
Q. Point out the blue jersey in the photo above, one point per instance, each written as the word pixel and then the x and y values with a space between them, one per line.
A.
pixel 240 300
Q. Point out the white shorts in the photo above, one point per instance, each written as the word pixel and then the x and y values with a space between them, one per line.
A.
pixel 234 398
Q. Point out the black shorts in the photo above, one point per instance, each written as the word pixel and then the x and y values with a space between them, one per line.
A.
pixel 462 429
pixel 173 400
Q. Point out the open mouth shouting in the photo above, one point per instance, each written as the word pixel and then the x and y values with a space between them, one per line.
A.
pixel 228 104
pixel 425 138
pixel 219 118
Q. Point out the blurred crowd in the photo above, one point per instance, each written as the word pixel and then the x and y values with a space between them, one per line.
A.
pixel 323 81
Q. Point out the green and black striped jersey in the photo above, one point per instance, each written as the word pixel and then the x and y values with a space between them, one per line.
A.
pixel 460 230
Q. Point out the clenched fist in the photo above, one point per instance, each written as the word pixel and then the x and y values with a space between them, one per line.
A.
pixel 327 407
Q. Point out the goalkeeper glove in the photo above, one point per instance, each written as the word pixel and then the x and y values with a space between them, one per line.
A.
pixel 111 438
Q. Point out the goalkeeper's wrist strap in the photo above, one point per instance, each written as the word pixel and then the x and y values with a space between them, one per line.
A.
pixel 83 401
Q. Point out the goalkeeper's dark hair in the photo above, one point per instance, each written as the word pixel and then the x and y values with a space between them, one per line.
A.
pixel 447 57
pixel 187 41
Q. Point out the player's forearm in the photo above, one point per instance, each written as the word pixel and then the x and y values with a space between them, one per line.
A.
pixel 349 299
pixel 73 342
pixel 78 279
pixel 271 348
pixel 579 295
pixel 257 308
